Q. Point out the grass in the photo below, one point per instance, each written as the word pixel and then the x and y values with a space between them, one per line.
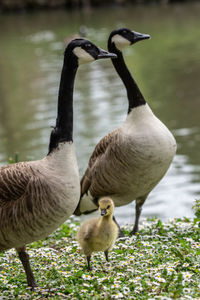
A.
pixel 161 262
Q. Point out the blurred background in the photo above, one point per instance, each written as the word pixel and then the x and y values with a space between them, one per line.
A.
pixel 166 68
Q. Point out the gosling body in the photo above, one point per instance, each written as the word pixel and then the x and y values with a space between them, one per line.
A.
pixel 99 233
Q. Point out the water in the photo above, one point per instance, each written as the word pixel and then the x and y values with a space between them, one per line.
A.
pixel 167 69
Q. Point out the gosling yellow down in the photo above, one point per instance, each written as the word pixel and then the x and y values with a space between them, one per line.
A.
pixel 99 233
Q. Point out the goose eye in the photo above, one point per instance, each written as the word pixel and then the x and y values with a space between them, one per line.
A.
pixel 88 46
pixel 108 206
pixel 124 31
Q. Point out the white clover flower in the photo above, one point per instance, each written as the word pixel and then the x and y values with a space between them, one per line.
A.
pixel 66 274
pixel 128 241
pixel 115 286
pixel 120 274
pixel 145 243
pixel 170 270
pixel 160 279
pixel 78 262
pixel 138 289
pixel 126 290
pixel 124 246
pixel 185 265
pixel 140 254
pixel 187 275
pixel 130 269
pixel 118 282
pixel 155 283
pixel 5 281
pixel 131 257
pixel 118 296
pixel 133 280
pixel 86 277
pixel 154 287
pixel 186 290
pixel 189 240
pixel 138 278
pixel 101 279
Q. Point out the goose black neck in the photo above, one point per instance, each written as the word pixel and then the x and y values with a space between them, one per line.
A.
pixel 63 131
pixel 134 95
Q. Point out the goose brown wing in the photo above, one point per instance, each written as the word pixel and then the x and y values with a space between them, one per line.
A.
pixel 14 180
pixel 98 154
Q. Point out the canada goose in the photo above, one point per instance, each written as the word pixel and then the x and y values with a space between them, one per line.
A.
pixel 36 197
pixel 100 233
pixel 128 162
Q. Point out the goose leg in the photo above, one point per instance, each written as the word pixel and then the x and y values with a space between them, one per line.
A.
pixel 121 234
pixel 88 262
pixel 138 210
pixel 106 255
pixel 24 257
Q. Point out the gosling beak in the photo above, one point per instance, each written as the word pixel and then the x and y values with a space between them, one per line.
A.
pixel 103 212
pixel 139 37
pixel 105 54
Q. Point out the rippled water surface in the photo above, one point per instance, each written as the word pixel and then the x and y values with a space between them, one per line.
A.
pixel 167 69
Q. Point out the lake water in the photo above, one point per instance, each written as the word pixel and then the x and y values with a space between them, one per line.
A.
pixel 166 68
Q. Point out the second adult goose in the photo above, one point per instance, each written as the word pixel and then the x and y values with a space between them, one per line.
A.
pixel 128 162
pixel 36 197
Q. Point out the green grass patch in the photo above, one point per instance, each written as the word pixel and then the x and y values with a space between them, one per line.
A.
pixel 161 262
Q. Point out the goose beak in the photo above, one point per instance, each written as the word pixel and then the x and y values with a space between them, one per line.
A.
pixel 139 37
pixel 105 54
pixel 103 212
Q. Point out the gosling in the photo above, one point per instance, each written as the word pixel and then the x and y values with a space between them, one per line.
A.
pixel 99 233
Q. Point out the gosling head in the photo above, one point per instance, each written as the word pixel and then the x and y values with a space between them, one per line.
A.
pixel 106 206
pixel 83 51
pixel 124 37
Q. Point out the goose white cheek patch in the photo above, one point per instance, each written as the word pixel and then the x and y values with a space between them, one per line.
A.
pixel 120 41
pixel 83 56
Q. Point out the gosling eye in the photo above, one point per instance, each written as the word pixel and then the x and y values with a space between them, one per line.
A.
pixel 108 206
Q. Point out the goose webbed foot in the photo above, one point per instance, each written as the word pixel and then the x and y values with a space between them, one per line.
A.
pixel 134 231
pixel 24 257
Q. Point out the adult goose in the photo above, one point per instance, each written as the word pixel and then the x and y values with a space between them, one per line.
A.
pixel 36 197
pixel 128 162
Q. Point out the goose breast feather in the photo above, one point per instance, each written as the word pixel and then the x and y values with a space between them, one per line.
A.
pixel 127 164
pixel 33 202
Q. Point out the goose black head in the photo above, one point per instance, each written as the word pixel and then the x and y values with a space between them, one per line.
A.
pixel 85 51
pixel 124 37
pixel 106 206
